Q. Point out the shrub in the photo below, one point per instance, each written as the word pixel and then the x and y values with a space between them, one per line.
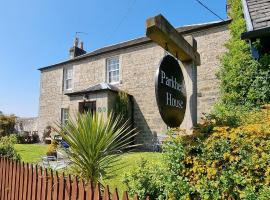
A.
pixel 146 180
pixel 26 138
pixel 52 149
pixel 244 81
pixel 7 124
pixel 225 163
pixel 7 147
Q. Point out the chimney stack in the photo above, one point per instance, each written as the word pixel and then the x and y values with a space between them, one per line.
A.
pixel 81 45
pixel 75 50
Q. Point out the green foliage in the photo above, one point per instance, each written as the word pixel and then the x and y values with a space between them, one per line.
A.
pixel 52 148
pixel 244 81
pixel 7 123
pixel 146 180
pixel 225 163
pixel 121 105
pixel 96 143
pixel 7 147
pixel 163 180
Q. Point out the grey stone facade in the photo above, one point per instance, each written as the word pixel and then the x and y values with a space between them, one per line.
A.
pixel 138 64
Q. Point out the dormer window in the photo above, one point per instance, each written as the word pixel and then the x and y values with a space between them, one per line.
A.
pixel 112 65
pixel 68 78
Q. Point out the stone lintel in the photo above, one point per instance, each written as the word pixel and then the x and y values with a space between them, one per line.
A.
pixel 164 34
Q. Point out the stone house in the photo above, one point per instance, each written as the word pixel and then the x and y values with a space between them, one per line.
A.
pixel 92 81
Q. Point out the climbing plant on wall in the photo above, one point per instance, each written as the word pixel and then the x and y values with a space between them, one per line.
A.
pixel 121 105
pixel 244 80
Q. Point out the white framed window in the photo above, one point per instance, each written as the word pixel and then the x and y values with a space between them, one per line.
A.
pixel 64 115
pixel 113 70
pixel 68 78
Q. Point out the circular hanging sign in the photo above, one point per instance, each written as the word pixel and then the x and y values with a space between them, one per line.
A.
pixel 170 91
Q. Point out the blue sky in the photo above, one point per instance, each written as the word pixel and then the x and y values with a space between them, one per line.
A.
pixel 37 33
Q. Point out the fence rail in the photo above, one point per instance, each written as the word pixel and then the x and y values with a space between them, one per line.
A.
pixel 20 181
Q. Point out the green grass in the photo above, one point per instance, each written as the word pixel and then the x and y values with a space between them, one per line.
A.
pixel 130 161
pixel 31 153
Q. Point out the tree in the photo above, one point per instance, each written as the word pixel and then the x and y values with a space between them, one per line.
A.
pixel 95 143
pixel 7 123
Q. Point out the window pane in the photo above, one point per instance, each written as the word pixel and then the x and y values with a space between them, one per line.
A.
pixel 69 73
pixel 68 76
pixel 113 69
pixel 64 115
pixel 68 84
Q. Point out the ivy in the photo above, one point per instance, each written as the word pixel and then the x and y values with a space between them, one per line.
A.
pixel 244 81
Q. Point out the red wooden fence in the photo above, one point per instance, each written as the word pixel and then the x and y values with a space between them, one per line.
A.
pixel 19 181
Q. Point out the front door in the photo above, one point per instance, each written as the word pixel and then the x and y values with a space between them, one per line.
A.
pixel 87 106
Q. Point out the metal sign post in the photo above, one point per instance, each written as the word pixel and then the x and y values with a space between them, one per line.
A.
pixel 165 35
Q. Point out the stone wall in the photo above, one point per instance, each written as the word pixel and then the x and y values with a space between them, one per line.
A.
pixel 26 125
pixel 138 66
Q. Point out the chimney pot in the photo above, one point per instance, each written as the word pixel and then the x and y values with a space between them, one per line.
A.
pixel 76 42
pixel 81 45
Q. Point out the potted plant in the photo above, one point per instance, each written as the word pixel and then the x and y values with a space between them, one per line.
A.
pixel 52 150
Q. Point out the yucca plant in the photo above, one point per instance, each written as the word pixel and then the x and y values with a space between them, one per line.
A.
pixel 96 143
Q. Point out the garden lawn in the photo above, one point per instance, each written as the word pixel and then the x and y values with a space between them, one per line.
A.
pixel 130 161
pixel 31 153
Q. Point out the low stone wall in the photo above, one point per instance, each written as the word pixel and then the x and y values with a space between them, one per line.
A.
pixel 26 125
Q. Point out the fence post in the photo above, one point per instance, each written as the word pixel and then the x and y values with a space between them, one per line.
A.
pixel 39 183
pixel 74 189
pixel 34 184
pixel 89 191
pixel 61 187
pixel 97 195
pixel 30 181
pixel 10 174
pixel 17 182
pixel 68 188
pixel 44 185
pixel 81 190
pixel 125 196
pixel 106 195
pixel 55 186
pixel 21 180
pixel 13 188
pixel 115 195
pixel 136 197
pixel 50 185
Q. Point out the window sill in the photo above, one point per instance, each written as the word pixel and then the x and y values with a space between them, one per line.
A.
pixel 67 91
pixel 115 83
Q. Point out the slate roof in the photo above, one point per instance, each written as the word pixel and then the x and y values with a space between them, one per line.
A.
pixel 257 16
pixel 98 87
pixel 140 41
pixel 259 13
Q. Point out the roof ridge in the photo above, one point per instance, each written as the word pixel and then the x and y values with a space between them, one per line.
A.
pixel 138 41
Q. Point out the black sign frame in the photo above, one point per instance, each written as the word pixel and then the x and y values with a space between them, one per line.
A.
pixel 170 91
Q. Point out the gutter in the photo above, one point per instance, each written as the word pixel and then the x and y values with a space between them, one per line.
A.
pixel 256 34
pixel 247 16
